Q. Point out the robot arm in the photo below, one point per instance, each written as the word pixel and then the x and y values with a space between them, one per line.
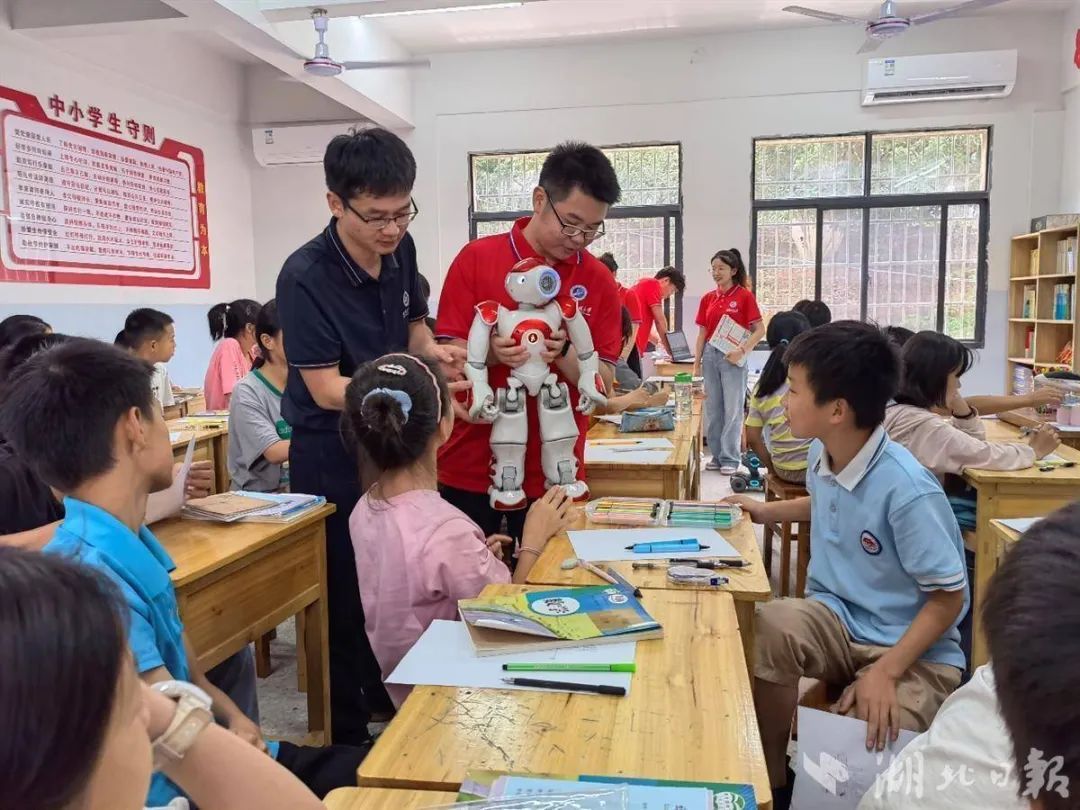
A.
pixel 483 398
pixel 590 384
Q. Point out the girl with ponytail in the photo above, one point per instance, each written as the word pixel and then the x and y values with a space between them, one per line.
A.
pixel 725 373
pixel 767 430
pixel 416 554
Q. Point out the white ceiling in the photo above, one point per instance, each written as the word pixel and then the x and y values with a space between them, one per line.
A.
pixel 556 21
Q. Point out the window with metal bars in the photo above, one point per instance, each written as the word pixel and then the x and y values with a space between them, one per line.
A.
pixel 889 227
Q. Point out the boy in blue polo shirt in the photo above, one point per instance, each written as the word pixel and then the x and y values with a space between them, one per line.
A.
pixel 886 587
pixel 83 415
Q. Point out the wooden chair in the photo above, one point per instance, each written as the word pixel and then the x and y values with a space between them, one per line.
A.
pixel 776 489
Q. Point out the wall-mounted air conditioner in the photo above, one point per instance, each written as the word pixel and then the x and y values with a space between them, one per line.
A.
pixel 939 77
pixel 295 145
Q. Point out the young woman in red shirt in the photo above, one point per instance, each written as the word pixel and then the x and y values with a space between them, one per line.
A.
pixel 725 373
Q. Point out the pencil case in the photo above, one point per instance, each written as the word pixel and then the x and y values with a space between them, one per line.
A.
pixel 647 420
pixel 654 512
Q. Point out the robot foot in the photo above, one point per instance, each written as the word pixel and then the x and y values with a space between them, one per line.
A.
pixel 578 491
pixel 508 501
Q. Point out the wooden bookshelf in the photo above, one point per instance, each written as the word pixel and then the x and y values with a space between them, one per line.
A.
pixel 1035 277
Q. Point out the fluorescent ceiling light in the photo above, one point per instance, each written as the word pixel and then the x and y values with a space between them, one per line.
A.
pixel 480 7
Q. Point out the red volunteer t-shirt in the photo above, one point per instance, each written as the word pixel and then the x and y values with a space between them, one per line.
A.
pixel 738 302
pixel 477 274
pixel 646 293
pixel 630 301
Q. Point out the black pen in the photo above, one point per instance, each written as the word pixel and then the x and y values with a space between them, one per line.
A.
pixel 711 563
pixel 622 580
pixel 563 686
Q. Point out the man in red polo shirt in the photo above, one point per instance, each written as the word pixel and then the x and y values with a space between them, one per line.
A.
pixel 647 297
pixel 577 186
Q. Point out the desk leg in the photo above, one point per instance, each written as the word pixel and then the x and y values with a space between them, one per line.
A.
pixel 986 556
pixel 220 452
pixel 301 653
pixel 316 651
pixel 744 612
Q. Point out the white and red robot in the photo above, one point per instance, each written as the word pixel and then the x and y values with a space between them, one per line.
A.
pixel 540 312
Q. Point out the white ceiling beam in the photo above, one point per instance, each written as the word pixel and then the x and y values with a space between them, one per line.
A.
pixel 382 96
pixel 62 18
pixel 282 10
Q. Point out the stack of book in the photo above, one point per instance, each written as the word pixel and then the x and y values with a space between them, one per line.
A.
pixel 1066 256
pixel 251 507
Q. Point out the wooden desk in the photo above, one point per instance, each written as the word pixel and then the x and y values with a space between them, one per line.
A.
pixel 386 799
pixel 748 585
pixel 236 582
pixel 689 715
pixel 668 368
pixel 1006 539
pixel 1020 493
pixel 210 444
pixel 678 477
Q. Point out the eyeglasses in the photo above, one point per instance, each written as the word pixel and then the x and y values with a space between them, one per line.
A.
pixel 574 231
pixel 379 223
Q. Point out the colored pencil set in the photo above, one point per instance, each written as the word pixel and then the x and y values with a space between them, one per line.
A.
pixel 658 512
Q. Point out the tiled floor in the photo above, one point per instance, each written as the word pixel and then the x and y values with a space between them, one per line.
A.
pixel 284 709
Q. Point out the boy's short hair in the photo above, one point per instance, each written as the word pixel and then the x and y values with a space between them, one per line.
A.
pixel 369 161
pixel 142 325
pixel 676 277
pixel 852 361
pixel 574 164
pixel 817 312
pixel 1032 621
pixel 899 335
pixel 59 409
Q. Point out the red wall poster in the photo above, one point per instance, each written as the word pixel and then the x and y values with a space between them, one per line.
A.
pixel 89 197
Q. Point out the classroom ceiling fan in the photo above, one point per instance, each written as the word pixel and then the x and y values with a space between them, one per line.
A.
pixel 322 64
pixel 889 23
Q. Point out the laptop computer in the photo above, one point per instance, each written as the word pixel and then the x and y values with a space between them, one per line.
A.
pixel 680 349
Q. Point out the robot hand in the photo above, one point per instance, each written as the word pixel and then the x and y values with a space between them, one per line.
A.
pixel 483 407
pixel 589 393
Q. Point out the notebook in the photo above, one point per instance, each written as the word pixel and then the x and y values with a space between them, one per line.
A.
pixel 225 507
pixel 566 617
pixel 680 349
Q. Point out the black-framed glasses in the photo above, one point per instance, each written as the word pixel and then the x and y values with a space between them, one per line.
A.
pixel 574 231
pixel 378 223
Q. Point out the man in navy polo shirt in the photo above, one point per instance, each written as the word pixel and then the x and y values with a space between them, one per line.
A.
pixel 577 185
pixel 348 296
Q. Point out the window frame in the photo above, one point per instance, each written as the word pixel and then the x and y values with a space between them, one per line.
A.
pixel 671 213
pixel 868 201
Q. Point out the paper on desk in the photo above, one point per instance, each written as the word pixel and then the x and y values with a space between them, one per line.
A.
pixel 1020 524
pixel 1060 428
pixel 174 436
pixel 594 545
pixel 639 797
pixel 833 768
pixel 444 656
pixel 168 502
pixel 1053 458
pixel 628 451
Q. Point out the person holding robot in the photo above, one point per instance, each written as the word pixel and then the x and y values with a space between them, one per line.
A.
pixel 576 333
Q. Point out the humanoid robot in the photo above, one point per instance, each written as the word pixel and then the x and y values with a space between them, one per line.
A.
pixel 540 311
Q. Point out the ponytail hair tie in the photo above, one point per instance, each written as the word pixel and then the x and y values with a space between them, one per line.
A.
pixel 784 342
pixel 401 397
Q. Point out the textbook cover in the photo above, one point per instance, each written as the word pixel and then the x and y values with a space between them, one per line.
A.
pixel 566 617
pixel 643 793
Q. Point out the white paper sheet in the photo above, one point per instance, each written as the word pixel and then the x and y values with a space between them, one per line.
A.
pixel 1060 428
pixel 628 451
pixel 595 545
pixel 1053 458
pixel 833 768
pixel 1021 524
pixel 168 502
pixel 444 656
pixel 174 436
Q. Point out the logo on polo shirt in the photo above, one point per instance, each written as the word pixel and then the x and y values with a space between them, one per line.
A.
pixel 870 544
pixel 405 298
pixel 733 304
pixel 578 292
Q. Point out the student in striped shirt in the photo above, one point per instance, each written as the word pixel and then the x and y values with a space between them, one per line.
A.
pixel 767 430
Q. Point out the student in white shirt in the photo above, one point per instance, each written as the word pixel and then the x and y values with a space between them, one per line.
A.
pixel 932 420
pixel 150 335
pixel 80 728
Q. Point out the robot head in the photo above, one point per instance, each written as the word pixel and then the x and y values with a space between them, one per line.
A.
pixel 531 281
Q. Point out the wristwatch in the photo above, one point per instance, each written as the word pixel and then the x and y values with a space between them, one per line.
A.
pixel 192 716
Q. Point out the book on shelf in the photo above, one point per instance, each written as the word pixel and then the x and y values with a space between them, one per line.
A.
pixel 1063 301
pixel 566 617
pixel 1066 256
pixel 1065 356
pixel 1033 267
pixel 1028 310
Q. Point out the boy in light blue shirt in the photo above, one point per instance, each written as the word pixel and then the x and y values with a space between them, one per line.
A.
pixel 83 416
pixel 887 584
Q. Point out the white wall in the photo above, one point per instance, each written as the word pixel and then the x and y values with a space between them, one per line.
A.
pixel 1070 88
pixel 189 93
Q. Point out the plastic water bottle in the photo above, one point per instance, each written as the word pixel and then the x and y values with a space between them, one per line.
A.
pixel 684 400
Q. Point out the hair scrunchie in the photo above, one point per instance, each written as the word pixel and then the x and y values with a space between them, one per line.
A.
pixel 401 397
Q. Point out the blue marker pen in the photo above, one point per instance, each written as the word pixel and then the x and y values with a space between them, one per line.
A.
pixel 667 547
